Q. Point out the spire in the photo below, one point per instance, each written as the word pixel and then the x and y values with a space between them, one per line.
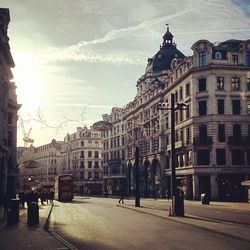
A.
pixel 168 39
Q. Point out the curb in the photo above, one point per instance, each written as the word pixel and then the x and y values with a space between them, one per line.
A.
pixel 55 235
pixel 187 223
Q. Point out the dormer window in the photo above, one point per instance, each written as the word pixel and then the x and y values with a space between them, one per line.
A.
pixel 218 55
pixel 202 58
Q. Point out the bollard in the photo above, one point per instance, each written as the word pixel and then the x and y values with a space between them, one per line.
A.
pixel 33 213
pixel 13 212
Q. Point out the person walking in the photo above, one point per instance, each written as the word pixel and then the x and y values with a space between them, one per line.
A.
pixel 121 196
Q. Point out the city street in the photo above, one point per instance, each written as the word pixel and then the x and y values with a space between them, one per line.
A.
pixel 98 223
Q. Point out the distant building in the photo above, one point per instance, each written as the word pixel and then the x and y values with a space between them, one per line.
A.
pixel 8 114
pixel 38 166
pixel 212 134
pixel 114 149
pixel 82 157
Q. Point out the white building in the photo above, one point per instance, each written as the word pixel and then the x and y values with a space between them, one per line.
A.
pixel 82 157
pixel 38 166
pixel 212 134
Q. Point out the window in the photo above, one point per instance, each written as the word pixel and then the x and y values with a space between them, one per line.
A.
pixel 202 58
pixel 181 94
pixel 248 58
pixel 202 85
pixel 237 130
pixel 187 111
pixel 236 107
pixel 220 103
pixel 188 136
pixel 202 107
pixel 81 175
pixel 248 84
pixel 176 116
pixel 221 156
pixel 221 133
pixel 202 132
pixel 235 59
pixel 235 84
pixel 89 164
pixel 217 55
pixel 181 115
pixel 10 120
pixel 82 164
pixel 248 106
pixel 90 175
pixel 96 175
pixel 187 89
pixel 96 154
pixel 82 154
pixel 96 164
pixel 89 154
pixel 203 157
pixel 82 143
pixel 220 83
pixel 237 157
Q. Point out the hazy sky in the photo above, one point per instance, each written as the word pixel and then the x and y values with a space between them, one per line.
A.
pixel 73 53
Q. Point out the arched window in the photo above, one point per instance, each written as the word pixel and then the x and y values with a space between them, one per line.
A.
pixel 217 55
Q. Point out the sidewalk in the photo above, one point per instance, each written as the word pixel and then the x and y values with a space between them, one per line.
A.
pixel 160 208
pixel 23 237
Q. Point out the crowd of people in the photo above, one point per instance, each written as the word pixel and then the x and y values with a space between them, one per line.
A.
pixel 33 196
pixel 45 196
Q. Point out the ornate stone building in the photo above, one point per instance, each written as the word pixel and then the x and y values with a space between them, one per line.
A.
pixel 114 163
pixel 8 112
pixel 212 134
pixel 82 157
pixel 38 166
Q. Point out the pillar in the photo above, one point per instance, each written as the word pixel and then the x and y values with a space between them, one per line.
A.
pixel 214 187
pixel 196 194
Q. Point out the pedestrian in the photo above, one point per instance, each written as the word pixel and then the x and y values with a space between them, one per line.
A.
pixel 6 205
pixel 121 196
pixel 168 195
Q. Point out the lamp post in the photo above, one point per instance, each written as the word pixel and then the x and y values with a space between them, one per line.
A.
pixel 177 199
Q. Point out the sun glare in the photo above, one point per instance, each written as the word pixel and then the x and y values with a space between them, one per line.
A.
pixel 30 86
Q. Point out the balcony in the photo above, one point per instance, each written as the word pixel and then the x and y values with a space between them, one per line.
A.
pixel 239 140
pixel 203 141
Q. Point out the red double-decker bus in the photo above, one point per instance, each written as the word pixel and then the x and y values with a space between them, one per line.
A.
pixel 64 188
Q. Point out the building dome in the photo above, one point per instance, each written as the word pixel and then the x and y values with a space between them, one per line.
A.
pixel 163 58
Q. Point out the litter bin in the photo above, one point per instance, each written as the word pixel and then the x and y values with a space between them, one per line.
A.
pixel 204 199
pixel 13 212
pixel 178 203
pixel 33 213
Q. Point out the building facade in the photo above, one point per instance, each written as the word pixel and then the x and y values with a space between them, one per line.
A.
pixel 82 157
pixel 211 132
pixel 114 149
pixel 8 112
pixel 38 166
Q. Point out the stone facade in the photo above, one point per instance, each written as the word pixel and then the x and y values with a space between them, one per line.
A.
pixel 114 163
pixel 38 166
pixel 212 133
pixel 82 157
pixel 8 112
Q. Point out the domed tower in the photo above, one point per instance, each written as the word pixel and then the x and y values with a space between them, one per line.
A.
pixel 163 58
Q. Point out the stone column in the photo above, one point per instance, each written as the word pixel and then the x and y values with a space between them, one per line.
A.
pixel 214 187
pixel 196 195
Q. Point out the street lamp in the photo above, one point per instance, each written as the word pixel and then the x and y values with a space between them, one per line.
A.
pixel 177 198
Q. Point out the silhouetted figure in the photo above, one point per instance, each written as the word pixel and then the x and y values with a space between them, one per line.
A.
pixel 121 196
pixel 6 205
pixel 168 195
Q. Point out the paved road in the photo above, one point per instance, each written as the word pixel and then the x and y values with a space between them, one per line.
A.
pixel 97 223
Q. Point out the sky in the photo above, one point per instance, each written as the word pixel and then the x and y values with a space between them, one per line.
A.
pixel 76 59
